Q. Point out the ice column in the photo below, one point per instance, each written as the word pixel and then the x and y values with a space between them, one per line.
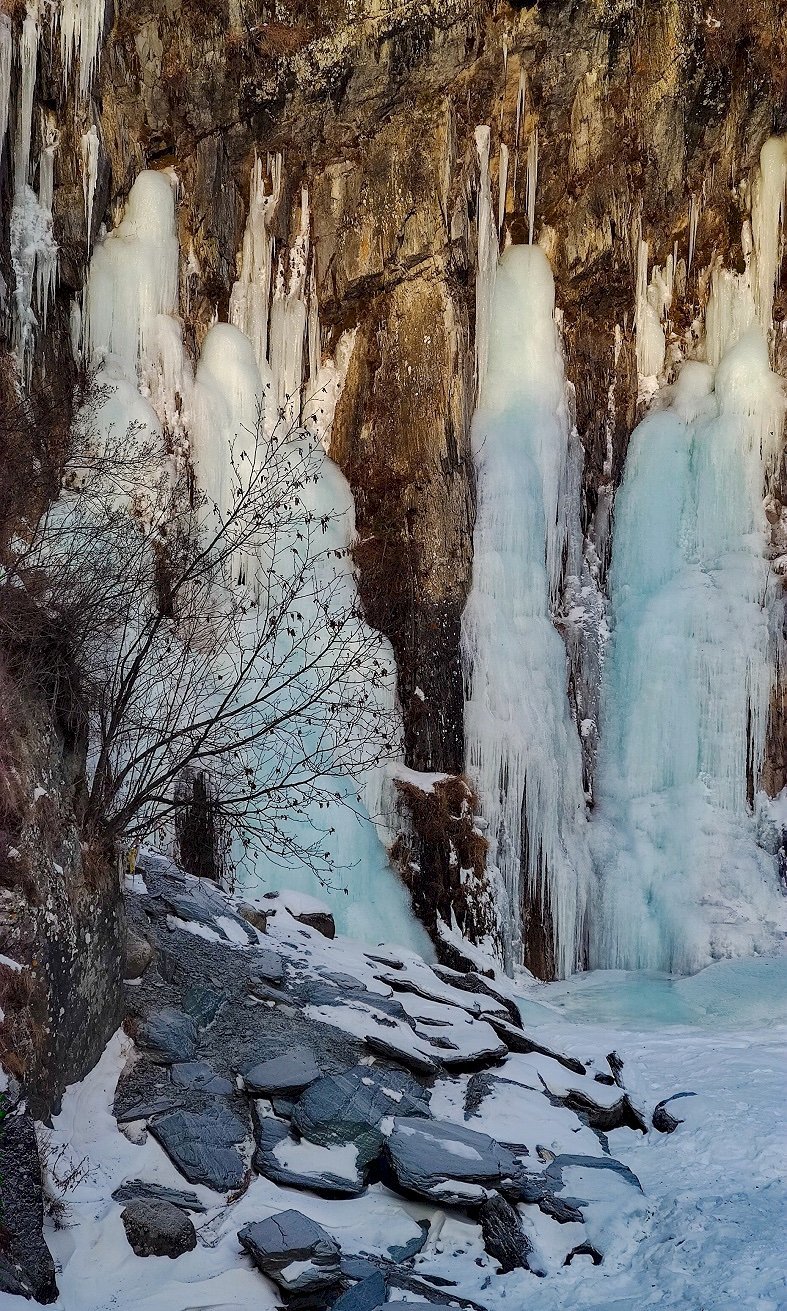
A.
pixel 28 60
pixel 522 748
pixel 6 60
pixel 251 294
pixel 487 255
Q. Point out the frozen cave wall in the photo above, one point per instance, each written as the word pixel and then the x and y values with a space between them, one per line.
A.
pixel 610 122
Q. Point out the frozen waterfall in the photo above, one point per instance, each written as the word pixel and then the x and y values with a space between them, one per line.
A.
pixel 688 683
pixel 523 751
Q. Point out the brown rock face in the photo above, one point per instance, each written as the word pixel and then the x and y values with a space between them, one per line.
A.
pixel 374 105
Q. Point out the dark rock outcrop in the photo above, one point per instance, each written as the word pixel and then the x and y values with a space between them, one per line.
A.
pixel 26 1265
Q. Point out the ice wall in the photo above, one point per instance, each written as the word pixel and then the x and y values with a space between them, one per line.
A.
pixel 522 746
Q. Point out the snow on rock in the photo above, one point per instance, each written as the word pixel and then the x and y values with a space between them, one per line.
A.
pixel 454 1185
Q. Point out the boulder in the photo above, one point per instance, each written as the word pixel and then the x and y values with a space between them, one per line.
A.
pixel 26 1265
pixel 321 920
pixel 138 1190
pixel 350 1107
pixel 157 1228
pixel 446 1163
pixel 289 1073
pixel 202 1077
pixel 202 1146
pixel 295 1252
pixel 137 955
pixel 168 1035
pixel 316 1175
pixel 253 915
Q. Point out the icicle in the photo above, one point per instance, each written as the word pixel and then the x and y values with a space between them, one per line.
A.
pixel 521 106
pixel 532 182
pixel 689 679
pixel 522 749
pixel 502 184
pixel 89 148
pixel 487 255
pixel 767 224
pixel 289 322
pixel 81 29
pixel 695 209
pixel 652 301
pixel 251 294
pixel 28 60
pixel 6 61
pixel 46 257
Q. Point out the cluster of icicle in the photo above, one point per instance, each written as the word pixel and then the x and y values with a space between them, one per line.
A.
pixel 34 254
pixel 696 618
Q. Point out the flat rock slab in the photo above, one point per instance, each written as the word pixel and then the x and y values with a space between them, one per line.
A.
pixel 365 1296
pixel 202 1146
pixel 518 1041
pixel 157 1228
pixel 404 1051
pixel 26 1265
pixel 168 1035
pixel 349 1108
pixel 313 1173
pixel 144 1190
pixel 204 1004
pixel 289 1073
pixel 446 1163
pixel 267 965
pixel 200 1075
pixel 295 1252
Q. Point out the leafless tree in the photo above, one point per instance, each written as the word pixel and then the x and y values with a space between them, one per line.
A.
pixel 207 639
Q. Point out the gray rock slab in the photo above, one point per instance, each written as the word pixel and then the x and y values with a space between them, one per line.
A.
pixel 202 1146
pixel 295 1252
pixel 269 1134
pixel 200 1075
pixel 518 1041
pixel 349 1108
pixel 446 1163
pixel 138 1190
pixel 267 965
pixel 402 1052
pixel 157 1228
pixel 168 1035
pixel 26 1265
pixel 291 1072
pixel 365 1296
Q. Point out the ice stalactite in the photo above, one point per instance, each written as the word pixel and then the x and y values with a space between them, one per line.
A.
pixel 532 182
pixel 522 748
pixel 288 325
pixel 89 150
pixel 81 30
pixel 6 62
pixel 251 294
pixel 47 255
pixel 652 301
pixel 486 266
pixel 768 203
pixel 28 63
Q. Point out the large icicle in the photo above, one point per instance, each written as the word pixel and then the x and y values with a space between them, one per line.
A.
pixel 689 678
pixel 768 223
pixel 251 294
pixel 289 319
pixel 89 150
pixel 522 748
pixel 6 61
pixel 487 255
pixel 28 62
pixel 81 29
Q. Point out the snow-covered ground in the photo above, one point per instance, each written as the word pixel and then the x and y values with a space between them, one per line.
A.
pixel 706 1233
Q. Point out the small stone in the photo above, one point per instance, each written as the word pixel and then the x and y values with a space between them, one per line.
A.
pixel 157 1228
